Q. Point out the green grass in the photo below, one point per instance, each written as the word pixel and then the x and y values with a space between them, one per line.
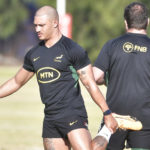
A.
pixel 21 115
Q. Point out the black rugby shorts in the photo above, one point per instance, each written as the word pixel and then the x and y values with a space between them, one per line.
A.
pixel 61 127
pixel 135 139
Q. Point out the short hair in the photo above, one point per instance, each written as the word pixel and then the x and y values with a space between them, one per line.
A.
pixel 136 15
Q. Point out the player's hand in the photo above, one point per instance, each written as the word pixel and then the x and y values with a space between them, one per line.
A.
pixel 111 123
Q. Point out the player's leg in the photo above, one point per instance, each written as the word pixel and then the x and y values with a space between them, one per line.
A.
pixel 75 128
pixel 117 140
pixel 52 138
pixel 101 140
pixel 56 144
pixel 80 139
pixel 99 143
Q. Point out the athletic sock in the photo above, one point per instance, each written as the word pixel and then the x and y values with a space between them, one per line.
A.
pixel 105 132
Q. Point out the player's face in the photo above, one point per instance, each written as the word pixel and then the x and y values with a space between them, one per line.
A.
pixel 43 27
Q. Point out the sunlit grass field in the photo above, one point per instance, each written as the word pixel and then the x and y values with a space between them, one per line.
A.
pixel 21 115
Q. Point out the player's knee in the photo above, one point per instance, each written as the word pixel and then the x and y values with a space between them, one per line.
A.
pixel 99 143
pixel 48 144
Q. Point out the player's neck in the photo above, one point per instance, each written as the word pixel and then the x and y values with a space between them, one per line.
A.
pixel 133 30
pixel 53 40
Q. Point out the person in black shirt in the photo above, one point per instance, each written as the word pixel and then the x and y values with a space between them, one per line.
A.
pixel 126 61
pixel 59 63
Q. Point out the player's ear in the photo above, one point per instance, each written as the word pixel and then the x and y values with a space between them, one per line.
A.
pixel 55 23
pixel 148 22
pixel 126 25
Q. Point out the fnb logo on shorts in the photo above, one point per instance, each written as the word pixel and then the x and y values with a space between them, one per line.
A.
pixel 129 47
pixel 47 75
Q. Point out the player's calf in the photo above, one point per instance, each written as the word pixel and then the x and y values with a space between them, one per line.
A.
pixel 101 140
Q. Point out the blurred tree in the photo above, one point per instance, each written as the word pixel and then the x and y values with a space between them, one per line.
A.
pixel 12 13
pixel 95 22
pixel 147 3
pixel 40 3
pixel 16 25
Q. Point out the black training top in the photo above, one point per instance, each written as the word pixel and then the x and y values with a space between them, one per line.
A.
pixel 55 68
pixel 127 61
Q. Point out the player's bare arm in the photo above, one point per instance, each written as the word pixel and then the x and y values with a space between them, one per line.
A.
pixel 98 76
pixel 15 83
pixel 87 78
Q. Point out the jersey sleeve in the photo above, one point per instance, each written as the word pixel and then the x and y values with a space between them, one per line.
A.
pixel 28 63
pixel 79 57
pixel 103 59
